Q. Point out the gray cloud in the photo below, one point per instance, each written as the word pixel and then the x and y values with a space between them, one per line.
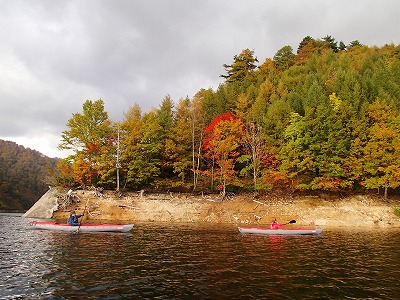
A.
pixel 54 55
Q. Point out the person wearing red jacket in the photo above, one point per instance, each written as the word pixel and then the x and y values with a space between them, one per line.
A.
pixel 276 225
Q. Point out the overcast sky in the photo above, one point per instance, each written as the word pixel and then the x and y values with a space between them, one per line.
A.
pixel 54 55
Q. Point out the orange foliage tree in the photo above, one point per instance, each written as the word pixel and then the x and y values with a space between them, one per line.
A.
pixel 382 150
pixel 88 136
pixel 222 146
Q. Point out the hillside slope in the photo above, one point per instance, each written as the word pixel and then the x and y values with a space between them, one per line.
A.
pixel 23 176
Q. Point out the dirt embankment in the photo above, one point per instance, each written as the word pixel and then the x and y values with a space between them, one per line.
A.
pixel 240 210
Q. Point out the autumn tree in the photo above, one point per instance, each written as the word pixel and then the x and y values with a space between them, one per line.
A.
pixel 87 136
pixel 317 147
pixel 109 161
pixel 222 145
pixel 306 40
pixel 305 52
pixel 267 71
pixel 130 137
pixel 254 149
pixel 382 150
pixel 143 150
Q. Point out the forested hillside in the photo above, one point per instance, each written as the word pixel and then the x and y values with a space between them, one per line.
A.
pixel 24 176
pixel 323 117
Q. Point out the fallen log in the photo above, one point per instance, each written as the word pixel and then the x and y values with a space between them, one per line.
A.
pixel 127 206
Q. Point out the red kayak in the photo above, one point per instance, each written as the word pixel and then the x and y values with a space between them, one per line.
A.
pixel 290 231
pixel 83 227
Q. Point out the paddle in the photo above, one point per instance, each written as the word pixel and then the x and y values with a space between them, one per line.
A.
pixel 84 210
pixel 291 222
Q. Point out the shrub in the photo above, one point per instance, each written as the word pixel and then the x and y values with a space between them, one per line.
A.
pixel 397 211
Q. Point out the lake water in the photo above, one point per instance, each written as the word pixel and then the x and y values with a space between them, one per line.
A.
pixel 185 261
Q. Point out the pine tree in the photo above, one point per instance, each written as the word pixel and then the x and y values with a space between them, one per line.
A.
pixel 284 58
pixel 243 66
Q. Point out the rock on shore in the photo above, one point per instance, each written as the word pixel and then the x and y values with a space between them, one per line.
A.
pixel 45 206
pixel 129 207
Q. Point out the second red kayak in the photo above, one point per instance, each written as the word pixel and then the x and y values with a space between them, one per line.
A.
pixel 291 231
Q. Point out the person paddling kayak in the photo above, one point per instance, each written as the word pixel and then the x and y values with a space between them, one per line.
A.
pixel 73 219
pixel 276 225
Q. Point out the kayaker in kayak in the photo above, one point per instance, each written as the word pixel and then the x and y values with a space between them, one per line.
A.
pixel 276 225
pixel 73 219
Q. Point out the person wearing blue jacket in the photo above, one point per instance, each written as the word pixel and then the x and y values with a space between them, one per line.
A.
pixel 73 219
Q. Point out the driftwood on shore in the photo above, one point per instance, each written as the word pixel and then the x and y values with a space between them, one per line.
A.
pixel 128 206
pixel 259 202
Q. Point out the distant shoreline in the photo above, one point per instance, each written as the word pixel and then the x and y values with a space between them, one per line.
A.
pixel 240 210
pixel 5 211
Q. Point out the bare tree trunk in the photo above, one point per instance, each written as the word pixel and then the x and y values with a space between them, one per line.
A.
pixel 196 162
pixel 254 144
pixel 212 173
pixel 255 178
pixel 196 166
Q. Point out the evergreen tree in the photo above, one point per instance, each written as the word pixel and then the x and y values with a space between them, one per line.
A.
pixel 331 42
pixel 342 46
pixel 181 152
pixel 284 58
pixel 243 66
pixel 166 120
pixel 355 43
pixel 131 137
pixel 304 42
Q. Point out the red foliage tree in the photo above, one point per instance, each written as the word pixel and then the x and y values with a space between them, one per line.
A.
pixel 222 144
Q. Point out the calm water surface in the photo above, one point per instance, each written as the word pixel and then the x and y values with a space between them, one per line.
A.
pixel 181 261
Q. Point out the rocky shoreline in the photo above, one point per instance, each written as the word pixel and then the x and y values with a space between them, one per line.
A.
pixel 354 211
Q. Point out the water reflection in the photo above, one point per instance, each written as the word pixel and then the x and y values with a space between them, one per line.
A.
pixel 181 261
